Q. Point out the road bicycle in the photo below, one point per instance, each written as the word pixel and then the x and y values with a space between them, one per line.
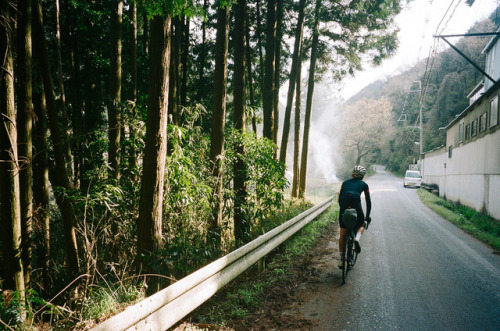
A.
pixel 349 254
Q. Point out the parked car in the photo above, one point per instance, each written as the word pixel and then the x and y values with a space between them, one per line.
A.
pixel 412 179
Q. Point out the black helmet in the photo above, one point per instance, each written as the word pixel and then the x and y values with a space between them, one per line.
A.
pixel 358 172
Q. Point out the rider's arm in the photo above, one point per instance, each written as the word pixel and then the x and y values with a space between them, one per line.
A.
pixel 341 191
pixel 368 202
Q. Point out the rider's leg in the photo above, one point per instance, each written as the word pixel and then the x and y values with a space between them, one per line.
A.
pixel 343 232
pixel 360 232
pixel 357 247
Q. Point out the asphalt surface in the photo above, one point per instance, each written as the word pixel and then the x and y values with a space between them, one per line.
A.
pixel 416 271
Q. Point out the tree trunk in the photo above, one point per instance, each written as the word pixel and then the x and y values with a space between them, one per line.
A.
pixel 149 227
pixel 310 92
pixel 10 212
pixel 291 83
pixel 90 121
pixel 277 71
pixel 259 45
pixel 296 144
pixel 218 121
pixel 241 224
pixel 25 117
pixel 133 89
pixel 115 78
pixel 184 62
pixel 173 97
pixel 62 101
pixel 202 57
pixel 251 94
pixel 269 79
pixel 41 187
pixel 62 180
pixel 145 34
pixel 70 34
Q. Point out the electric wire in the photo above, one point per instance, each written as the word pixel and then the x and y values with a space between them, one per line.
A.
pixel 403 115
pixel 432 54
pixel 430 62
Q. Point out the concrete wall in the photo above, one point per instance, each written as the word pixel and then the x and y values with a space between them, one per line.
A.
pixel 471 176
pixel 467 168
pixel 432 168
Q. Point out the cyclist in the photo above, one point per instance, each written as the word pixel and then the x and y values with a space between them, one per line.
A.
pixel 350 197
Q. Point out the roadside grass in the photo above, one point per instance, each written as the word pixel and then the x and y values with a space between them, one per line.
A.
pixel 238 300
pixel 479 225
pixel 107 300
pixel 243 297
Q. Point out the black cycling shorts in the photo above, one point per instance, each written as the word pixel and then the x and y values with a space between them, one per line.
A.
pixel 353 204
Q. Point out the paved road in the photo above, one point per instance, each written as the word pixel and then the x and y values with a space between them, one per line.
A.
pixel 416 271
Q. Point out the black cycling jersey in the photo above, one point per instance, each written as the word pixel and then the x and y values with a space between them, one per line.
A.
pixel 350 196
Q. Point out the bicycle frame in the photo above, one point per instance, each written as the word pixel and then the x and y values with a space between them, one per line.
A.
pixel 349 256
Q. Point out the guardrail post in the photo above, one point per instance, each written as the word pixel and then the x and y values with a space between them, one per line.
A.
pixel 261 265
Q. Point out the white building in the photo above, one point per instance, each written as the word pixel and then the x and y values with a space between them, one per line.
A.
pixel 467 169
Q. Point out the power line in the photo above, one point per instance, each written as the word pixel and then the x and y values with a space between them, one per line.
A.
pixel 451 15
pixel 446 12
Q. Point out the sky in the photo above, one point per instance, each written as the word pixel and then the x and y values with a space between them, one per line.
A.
pixel 419 21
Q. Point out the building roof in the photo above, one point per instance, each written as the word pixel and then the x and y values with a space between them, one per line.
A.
pixel 492 42
pixel 476 89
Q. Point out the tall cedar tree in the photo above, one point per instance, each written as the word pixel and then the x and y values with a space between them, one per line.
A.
pixel 149 227
pixel 277 69
pixel 184 61
pixel 41 186
pixel 296 144
pixel 10 213
pixel 310 91
pixel 202 57
pixel 174 85
pixel 61 176
pixel 218 119
pixel 62 97
pixel 258 33
pixel 25 118
pixel 241 223
pixel 292 80
pixel 249 78
pixel 269 73
pixel 114 98
pixel 70 38
pixel 132 96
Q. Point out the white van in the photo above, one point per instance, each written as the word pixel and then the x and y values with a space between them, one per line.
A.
pixel 412 179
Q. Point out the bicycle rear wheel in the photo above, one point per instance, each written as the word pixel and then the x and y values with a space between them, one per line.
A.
pixel 346 256
pixel 354 255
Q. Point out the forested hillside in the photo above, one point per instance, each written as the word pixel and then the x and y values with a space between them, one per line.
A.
pixel 139 139
pixel 439 85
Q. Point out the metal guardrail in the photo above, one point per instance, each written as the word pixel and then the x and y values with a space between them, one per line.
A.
pixel 168 306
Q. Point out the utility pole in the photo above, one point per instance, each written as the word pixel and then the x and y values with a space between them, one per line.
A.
pixel 420 142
